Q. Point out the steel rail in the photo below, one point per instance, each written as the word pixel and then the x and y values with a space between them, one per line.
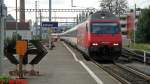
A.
pixel 146 77
pixel 122 80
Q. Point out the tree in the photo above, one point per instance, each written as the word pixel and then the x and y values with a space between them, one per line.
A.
pixel 114 6
pixel 143 27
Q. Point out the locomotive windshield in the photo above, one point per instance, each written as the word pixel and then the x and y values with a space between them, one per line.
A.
pixel 105 28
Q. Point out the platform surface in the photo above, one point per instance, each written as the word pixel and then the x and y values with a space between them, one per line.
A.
pixel 60 67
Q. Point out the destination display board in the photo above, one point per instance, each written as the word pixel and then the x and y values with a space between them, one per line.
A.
pixel 50 24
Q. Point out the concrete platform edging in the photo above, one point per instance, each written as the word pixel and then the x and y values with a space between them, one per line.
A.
pixel 91 73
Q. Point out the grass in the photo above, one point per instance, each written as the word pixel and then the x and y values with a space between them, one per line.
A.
pixel 141 46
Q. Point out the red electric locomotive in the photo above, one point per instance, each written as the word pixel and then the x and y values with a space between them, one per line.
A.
pixel 98 37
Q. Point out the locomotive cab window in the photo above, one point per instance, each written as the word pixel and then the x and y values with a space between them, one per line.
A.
pixel 105 28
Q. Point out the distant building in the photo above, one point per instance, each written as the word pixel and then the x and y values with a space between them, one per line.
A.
pixel 24 28
pixel 127 23
pixel 10 18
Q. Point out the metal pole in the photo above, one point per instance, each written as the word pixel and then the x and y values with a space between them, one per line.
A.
pixel 40 25
pixel 1 43
pixel 50 7
pixel 144 56
pixel 16 21
pixel 72 4
pixel 36 20
pixel 1 36
pixel 22 13
pixel 134 24
pixel 20 67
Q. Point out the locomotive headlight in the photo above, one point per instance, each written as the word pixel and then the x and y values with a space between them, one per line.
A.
pixel 115 44
pixel 95 44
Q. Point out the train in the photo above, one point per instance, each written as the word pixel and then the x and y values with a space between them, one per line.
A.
pixel 98 37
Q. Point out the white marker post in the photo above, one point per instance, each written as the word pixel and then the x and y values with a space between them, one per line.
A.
pixel 144 56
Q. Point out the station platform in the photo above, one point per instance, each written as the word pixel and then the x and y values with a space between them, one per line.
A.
pixel 60 66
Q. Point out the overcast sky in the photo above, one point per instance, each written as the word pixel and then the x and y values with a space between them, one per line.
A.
pixel 57 4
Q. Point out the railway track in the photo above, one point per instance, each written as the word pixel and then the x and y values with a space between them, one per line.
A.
pixel 132 55
pixel 126 75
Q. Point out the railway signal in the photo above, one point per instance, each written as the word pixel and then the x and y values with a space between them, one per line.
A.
pixel 23 52
pixel 21 49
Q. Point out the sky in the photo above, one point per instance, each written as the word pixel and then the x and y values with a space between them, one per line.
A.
pixel 58 4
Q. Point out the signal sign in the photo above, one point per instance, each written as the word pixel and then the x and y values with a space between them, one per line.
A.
pixel 21 47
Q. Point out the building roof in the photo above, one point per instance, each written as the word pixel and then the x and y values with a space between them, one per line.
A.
pixel 10 18
pixel 21 26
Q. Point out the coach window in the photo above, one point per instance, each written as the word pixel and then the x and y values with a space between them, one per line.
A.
pixel 123 25
pixel 124 33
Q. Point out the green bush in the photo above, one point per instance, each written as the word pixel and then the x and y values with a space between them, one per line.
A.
pixel 143 27
pixel 5 79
